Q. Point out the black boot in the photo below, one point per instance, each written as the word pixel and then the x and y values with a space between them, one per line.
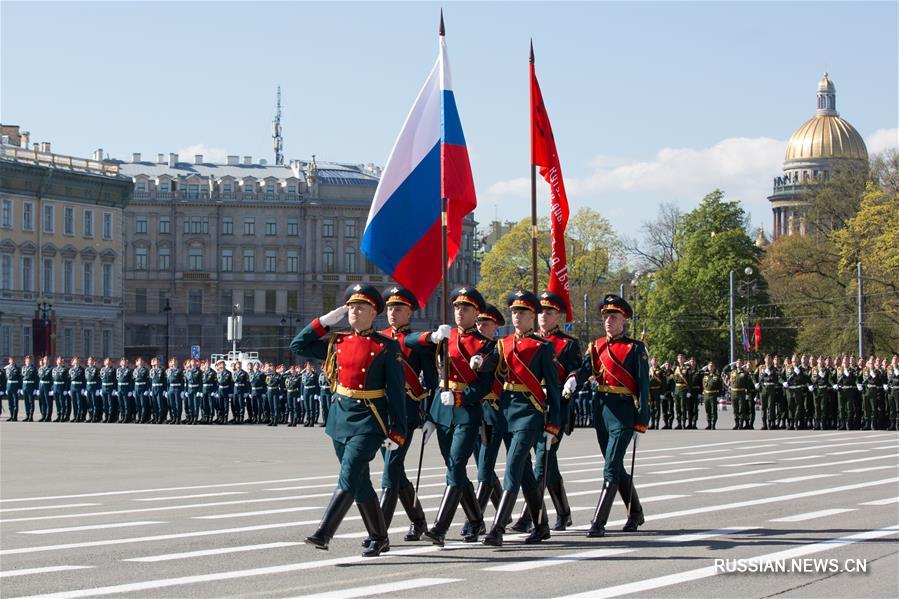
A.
pixel 560 501
pixel 337 508
pixel 416 515
pixel 524 522
pixel 373 518
pixel 635 514
pixel 388 507
pixel 448 505
pixel 484 494
pixel 603 509
pixel 473 514
pixel 534 501
pixel 494 538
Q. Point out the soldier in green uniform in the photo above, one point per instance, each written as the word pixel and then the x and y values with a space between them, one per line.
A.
pixel 767 381
pixel 29 388
pixel 457 412
pixel 657 386
pixel 45 386
pixel 157 391
pixel 241 391
pixel 210 382
pixel 2 387
pixel 368 409
pixel 141 377
pixel 823 394
pixel 225 389
pixel 620 367
pixel 174 386
pixel 60 376
pixel 309 384
pixel 667 396
pixel 845 387
pixel 272 386
pixel 76 391
pixel 741 387
pixel 795 383
pixel 257 392
pixel 892 391
pixel 124 393
pixel 872 386
pixel 193 377
pixel 292 384
pixel 683 374
pixel 92 388
pixel 13 386
pixel 696 392
pixel 107 387
pixel 712 387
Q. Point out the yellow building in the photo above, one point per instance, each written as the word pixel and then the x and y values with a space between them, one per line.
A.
pixel 61 246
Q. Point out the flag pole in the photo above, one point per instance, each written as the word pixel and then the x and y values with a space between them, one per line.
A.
pixel 533 184
pixel 444 293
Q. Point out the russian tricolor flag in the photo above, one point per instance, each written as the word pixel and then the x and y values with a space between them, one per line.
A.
pixel 429 161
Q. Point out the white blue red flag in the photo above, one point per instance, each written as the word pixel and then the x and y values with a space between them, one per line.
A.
pixel 429 161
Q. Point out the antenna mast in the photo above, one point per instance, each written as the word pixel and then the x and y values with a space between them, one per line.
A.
pixel 277 140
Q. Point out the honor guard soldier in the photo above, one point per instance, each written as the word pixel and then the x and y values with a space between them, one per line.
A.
pixel 241 392
pixel 400 303
pixel 683 374
pixel 822 379
pixel 892 391
pixel 174 386
pixel 157 392
pixel 257 391
pixel 324 391
pixel 193 378
pixel 766 382
pixel 29 388
pixel 366 373
pixel 696 392
pixel 456 412
pixel 740 386
pixel 2 387
pixel 872 380
pixel 209 390
pixel 141 375
pixel 60 388
pixel 272 384
pixel 796 384
pixel 45 386
pixel 667 396
pixel 76 391
pixel 845 386
pixel 621 368
pixel 225 382
pixel 92 387
pixel 712 387
pixel 310 384
pixel 532 404
pixel 107 385
pixel 292 383
pixel 13 386
pixel 657 387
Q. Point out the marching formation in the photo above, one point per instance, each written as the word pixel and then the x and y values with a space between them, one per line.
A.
pixel 193 392
pixel 515 392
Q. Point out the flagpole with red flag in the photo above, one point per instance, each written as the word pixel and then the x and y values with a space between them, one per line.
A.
pixel 533 186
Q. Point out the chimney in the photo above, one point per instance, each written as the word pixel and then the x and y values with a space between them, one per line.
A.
pixel 160 158
pixel 135 157
pixel 233 160
pixel 198 159
pixel 248 160
pixel 98 154
pixel 173 160
pixel 45 147
pixel 25 138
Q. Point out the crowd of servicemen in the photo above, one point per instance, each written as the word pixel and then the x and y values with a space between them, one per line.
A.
pixel 796 393
pixel 191 392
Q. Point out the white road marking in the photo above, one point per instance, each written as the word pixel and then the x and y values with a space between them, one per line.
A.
pixel 886 501
pixel 381 589
pixel 709 534
pixel 802 457
pixel 661 498
pixel 798 479
pixel 734 488
pixel 676 470
pixel 45 570
pixel 48 531
pixel 871 469
pixel 205 552
pixel 813 515
pixel 762 453
pixel 557 560
pixel 709 571
pixel 48 507
pixel 191 496
pixel 848 452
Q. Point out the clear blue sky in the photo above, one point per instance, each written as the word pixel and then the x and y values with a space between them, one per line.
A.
pixel 650 102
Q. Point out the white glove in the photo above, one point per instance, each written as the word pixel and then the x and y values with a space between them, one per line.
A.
pixel 334 316
pixel 447 398
pixel 811 388
pixel 796 369
pixel 661 397
pixel 97 393
pixel 767 371
pixel 476 361
pixel 115 393
pixel 689 395
pixel 835 387
pixel 548 436
pixel 886 387
pixel 570 386
pixel 130 394
pixel 785 384
pixel 442 332
pixel 756 385
pixel 66 393
pixel 84 393
pixel 389 444
pixel 427 429
pixel 859 386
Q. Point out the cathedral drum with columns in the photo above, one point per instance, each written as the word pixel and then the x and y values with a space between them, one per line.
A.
pixel 822 144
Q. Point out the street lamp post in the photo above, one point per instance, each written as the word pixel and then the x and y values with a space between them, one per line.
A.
pixel 281 340
pixel 745 289
pixel 168 325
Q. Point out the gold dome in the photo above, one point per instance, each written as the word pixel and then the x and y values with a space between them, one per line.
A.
pixel 826 84
pixel 826 136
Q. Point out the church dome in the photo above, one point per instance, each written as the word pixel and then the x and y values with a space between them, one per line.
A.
pixel 826 135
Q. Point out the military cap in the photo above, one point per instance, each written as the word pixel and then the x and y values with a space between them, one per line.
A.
pixel 521 298
pixel 493 313
pixel 364 293
pixel 548 299
pixel 470 296
pixel 615 303
pixel 400 295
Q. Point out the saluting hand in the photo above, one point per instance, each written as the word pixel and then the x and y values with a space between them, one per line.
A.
pixel 334 316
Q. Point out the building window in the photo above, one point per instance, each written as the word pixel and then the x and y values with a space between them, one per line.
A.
pixel 195 301
pixel 226 188
pixel 291 190
pixel 195 257
pixel 88 278
pixel 293 227
pixel 328 260
pixel 249 301
pixel 68 342
pixel 5 341
pixel 6 214
pixel 27 216
pixel 249 226
pixel 140 300
pixel 106 348
pixel 140 187
pixel 248 188
pixel 270 301
pixel 227 260
pixel 140 258
pixel 27 339
pixel 292 300
pixel 349 228
pixel 249 260
pixel 87 342
pixel 6 272
pixel 49 224
pixel 327 228
pixel 27 273
pixel 227 226
pixel 68 221
pixel 165 225
pixel 293 261
pixel 140 224
pixel 68 277
pixel 271 261
pixel 271 227
pixel 164 259
pixel 107 225
pixel 269 190
pixel 88 223
pixel 196 225
pixel 226 300
pixel 107 280
pixel 349 261
pixel 48 275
